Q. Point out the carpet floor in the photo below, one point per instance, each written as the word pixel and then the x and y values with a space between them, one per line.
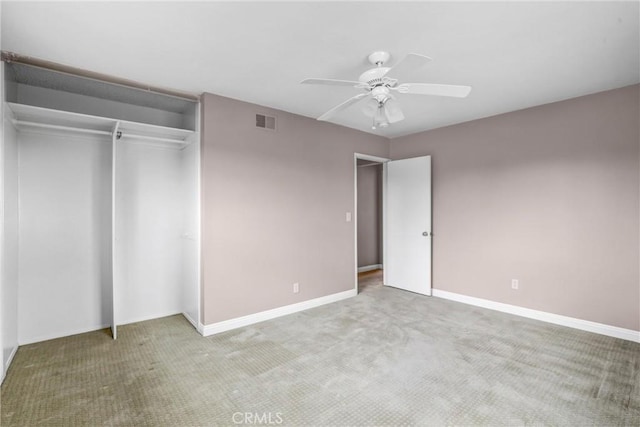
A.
pixel 384 358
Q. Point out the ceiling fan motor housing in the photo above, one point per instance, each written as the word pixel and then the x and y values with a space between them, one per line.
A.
pixel 380 93
pixel 379 57
pixel 374 76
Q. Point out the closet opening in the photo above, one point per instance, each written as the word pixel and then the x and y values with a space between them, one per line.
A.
pixel 105 184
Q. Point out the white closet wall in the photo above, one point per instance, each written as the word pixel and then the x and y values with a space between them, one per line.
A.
pixel 65 239
pixel 190 241
pixel 149 217
pixel 9 289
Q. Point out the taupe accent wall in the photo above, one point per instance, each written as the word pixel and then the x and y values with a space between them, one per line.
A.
pixel 547 195
pixel 369 215
pixel 274 208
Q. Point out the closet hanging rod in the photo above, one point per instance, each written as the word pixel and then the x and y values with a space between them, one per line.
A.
pixel 96 132
pixel 153 138
pixel 59 127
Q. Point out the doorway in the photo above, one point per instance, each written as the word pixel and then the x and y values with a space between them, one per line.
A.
pixel 402 213
pixel 369 221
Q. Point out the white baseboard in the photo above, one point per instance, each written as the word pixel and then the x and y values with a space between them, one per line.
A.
pixel 9 360
pixel 239 322
pixel 68 333
pixel 190 319
pixel 153 316
pixel 199 326
pixel 369 268
pixel 557 319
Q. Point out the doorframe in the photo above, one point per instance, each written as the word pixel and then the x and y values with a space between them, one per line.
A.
pixel 383 161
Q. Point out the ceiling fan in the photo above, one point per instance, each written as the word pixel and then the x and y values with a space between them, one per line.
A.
pixel 379 84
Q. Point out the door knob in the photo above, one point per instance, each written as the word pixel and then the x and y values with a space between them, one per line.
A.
pixel 425 233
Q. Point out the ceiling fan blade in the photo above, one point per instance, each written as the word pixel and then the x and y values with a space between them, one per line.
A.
pixel 394 113
pixel 345 104
pixel 330 82
pixel 407 66
pixel 434 89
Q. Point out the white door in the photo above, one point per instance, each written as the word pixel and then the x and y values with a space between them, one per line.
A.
pixel 407 258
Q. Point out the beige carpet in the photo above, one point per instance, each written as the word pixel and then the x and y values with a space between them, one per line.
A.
pixel 385 357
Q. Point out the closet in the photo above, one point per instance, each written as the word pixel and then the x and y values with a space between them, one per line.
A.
pixel 108 202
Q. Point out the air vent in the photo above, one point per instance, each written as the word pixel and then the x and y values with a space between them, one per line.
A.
pixel 265 122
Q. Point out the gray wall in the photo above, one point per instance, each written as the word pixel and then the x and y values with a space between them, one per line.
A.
pixel 547 195
pixel 369 215
pixel 274 205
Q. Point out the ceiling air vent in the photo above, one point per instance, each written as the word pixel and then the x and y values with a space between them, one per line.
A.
pixel 265 122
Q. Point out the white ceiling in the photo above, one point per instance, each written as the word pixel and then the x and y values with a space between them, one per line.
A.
pixel 515 55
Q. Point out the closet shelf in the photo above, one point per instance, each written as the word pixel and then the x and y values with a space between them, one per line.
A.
pixel 28 116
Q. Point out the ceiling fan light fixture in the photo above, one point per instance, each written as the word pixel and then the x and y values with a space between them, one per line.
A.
pixel 370 107
pixel 393 110
pixel 380 118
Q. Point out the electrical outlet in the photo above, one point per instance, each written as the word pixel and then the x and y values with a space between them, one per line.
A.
pixel 296 288
pixel 514 284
